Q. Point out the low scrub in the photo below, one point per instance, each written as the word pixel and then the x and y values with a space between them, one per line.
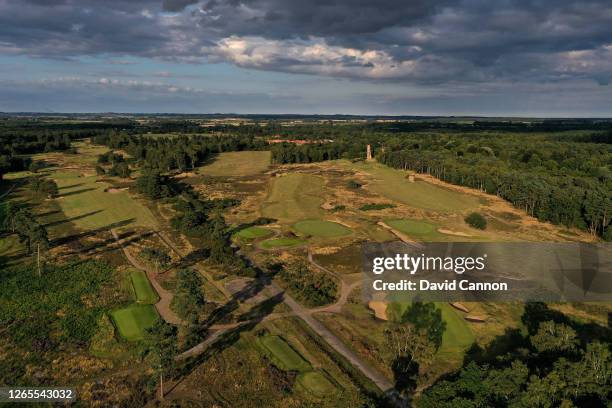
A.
pixel 314 289
pixel 476 220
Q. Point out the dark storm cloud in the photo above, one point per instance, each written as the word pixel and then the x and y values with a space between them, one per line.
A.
pixel 423 41
pixel 177 5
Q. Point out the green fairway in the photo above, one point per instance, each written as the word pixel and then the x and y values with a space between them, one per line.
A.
pixel 253 233
pixel 321 228
pixel 458 336
pixel 293 197
pixel 392 184
pixel 317 384
pixel 88 207
pixel 282 354
pixel 281 243
pixel 132 321
pixel 142 288
pixel 238 164
pixel 420 230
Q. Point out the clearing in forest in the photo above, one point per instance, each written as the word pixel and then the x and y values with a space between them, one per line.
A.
pixel 237 164
pixel 294 197
pixel 282 354
pixel 321 228
pixel 392 184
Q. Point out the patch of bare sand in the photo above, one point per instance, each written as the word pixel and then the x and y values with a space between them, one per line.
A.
pixel 379 308
pixel 455 233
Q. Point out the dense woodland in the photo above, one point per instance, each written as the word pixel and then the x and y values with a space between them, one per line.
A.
pixel 557 363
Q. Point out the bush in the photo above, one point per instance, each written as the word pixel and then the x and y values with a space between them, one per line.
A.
pixel 369 207
pixel 476 220
pixel 353 185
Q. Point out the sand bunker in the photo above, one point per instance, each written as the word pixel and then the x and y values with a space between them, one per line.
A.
pixel 455 233
pixel 115 190
pixel 380 309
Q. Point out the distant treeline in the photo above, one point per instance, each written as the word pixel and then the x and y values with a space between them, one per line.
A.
pixel 564 178
pixel 176 152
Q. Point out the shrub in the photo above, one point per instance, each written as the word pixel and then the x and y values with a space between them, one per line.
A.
pixel 372 206
pixel 353 185
pixel 476 220
pixel 314 289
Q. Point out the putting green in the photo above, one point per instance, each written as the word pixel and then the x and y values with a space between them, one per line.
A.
pixel 142 288
pixel 321 228
pixel 281 243
pixel 253 233
pixel 132 321
pixel 293 197
pixel 317 383
pixel 417 229
pixel 282 354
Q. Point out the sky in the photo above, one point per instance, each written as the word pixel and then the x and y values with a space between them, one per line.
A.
pixel 537 58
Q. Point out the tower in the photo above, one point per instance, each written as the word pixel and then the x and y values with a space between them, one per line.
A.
pixel 369 153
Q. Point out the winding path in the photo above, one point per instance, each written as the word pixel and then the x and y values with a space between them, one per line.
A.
pixel 165 296
pixel 307 316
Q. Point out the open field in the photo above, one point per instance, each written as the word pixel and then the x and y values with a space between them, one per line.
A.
pixel 253 232
pixel 235 164
pixel 294 197
pixel 143 290
pixel 321 228
pixel 282 354
pixel 132 321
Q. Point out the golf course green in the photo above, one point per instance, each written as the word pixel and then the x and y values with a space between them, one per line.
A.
pixel 281 242
pixel 317 383
pixel 253 232
pixel 321 228
pixel 132 321
pixel 143 290
pixel 420 230
pixel 282 354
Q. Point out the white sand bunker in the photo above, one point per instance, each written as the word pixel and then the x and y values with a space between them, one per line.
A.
pixel 115 190
pixel 455 233
pixel 380 309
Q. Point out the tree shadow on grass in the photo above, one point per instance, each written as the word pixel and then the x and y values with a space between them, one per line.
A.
pixel 83 190
pixel 222 313
pixel 90 233
pixel 227 339
pixel 71 186
pixel 71 219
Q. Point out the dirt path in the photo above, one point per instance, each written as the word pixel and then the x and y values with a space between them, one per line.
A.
pixel 337 344
pixel 165 296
